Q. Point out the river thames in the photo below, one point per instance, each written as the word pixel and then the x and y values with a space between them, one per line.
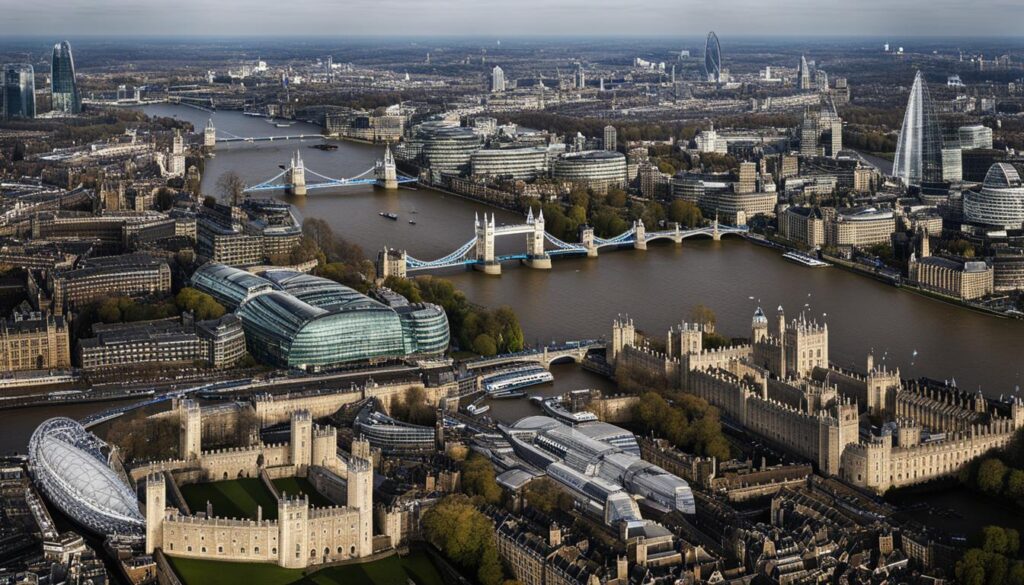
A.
pixel 580 297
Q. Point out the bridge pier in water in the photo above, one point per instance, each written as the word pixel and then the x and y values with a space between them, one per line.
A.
pixel 386 171
pixel 296 177
pixel 485 260
pixel 209 135
pixel 536 257
pixel 640 235
pixel 587 240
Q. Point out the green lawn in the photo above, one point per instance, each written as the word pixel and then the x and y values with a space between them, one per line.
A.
pixel 299 485
pixel 393 570
pixel 235 498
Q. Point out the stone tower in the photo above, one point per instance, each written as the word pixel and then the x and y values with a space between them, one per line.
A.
pixel 190 430
pixel 485 246
pixel 360 496
pixel 296 176
pixel 640 237
pixel 684 339
pixel 536 257
pixel 209 135
pixel 623 335
pixel 293 532
pixel 759 326
pixel 387 172
pixel 301 448
pixel 156 502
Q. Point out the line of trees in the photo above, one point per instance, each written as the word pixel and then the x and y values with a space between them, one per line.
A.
pixel 478 329
pixel 688 422
pixel 995 560
pixel 466 537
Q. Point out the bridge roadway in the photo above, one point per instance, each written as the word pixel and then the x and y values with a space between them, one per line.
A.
pixel 573 350
pixel 268 138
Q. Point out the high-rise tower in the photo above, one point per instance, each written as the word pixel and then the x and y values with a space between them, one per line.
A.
pixel 497 80
pixel 804 74
pixel 63 87
pixel 19 91
pixel 919 149
pixel 713 58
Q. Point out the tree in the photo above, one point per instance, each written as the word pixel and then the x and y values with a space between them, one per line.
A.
pixel 704 316
pixel 991 473
pixel 544 495
pixel 1015 485
pixel 201 305
pixel 616 198
pixel 685 213
pixel 477 478
pixel 231 187
pixel 484 345
pixel 164 199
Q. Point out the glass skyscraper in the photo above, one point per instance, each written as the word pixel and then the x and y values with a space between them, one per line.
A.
pixel 919 149
pixel 62 80
pixel 713 58
pixel 19 91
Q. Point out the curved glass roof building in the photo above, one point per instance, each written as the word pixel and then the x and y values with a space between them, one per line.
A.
pixel 71 466
pixel 919 148
pixel 713 58
pixel 63 86
pixel 297 320
pixel 598 460
pixel 1000 202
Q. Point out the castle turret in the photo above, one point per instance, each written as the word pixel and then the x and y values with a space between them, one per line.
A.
pixel 190 430
pixel 759 326
pixel 293 532
pixel 623 335
pixel 301 448
pixel 360 496
pixel 156 502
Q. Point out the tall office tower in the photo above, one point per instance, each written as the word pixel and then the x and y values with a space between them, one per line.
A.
pixel 803 74
pixel 497 80
pixel 63 87
pixel 19 91
pixel 919 147
pixel 610 137
pixel 809 135
pixel 713 58
pixel 747 182
pixel 581 77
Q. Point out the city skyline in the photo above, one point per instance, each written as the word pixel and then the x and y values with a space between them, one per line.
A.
pixel 907 18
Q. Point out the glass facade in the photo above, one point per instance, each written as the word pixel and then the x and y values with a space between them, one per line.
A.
pixel 62 80
pixel 919 149
pixel 713 58
pixel 298 320
pixel 1000 201
pixel 19 91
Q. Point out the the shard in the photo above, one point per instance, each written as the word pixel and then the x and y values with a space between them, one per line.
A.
pixel 919 149
pixel 713 58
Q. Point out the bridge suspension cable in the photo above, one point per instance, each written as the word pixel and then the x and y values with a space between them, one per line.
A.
pixel 452 259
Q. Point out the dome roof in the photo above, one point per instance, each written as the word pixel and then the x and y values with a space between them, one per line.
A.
pixel 1002 176
pixel 69 465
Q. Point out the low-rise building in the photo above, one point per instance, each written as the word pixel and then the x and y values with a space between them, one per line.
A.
pixel 217 343
pixel 34 341
pixel 963 280
pixel 130 275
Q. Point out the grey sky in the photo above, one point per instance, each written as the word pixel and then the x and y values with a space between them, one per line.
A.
pixel 508 18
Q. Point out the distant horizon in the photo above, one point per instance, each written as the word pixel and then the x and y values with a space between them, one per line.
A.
pixel 505 18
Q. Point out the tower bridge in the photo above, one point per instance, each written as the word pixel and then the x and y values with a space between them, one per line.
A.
pixel 541 247
pixel 293 178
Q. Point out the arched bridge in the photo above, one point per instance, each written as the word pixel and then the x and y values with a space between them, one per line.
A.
pixel 541 247
pixel 293 178
pixel 570 350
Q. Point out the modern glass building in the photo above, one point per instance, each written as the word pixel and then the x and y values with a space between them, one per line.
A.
pixel 518 163
pixel 596 169
pixel 63 86
pixel 72 467
pixel 713 58
pixel 298 320
pixel 441 146
pixel 19 91
pixel 1000 202
pixel 919 149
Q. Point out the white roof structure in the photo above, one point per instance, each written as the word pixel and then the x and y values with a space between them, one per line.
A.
pixel 70 466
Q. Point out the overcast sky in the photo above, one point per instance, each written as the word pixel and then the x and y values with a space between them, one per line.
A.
pixel 507 18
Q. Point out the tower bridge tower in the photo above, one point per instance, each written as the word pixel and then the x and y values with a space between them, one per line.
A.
pixel 387 172
pixel 587 239
pixel 296 176
pixel 640 236
pixel 486 261
pixel 536 257
pixel 209 135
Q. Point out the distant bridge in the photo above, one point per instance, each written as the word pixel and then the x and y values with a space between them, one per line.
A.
pixel 293 178
pixel 479 251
